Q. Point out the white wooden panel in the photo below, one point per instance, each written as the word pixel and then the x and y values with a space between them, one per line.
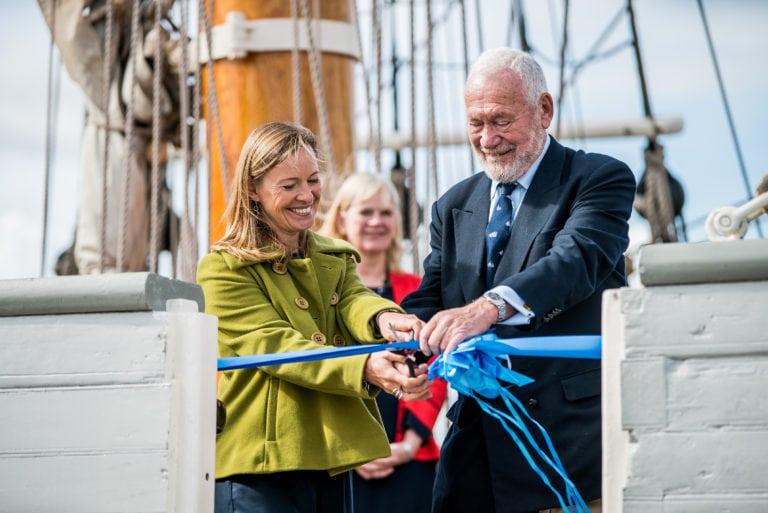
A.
pixel 644 392
pixel 696 320
pixel 614 438
pixel 109 418
pixel 192 348
pixel 705 503
pixel 84 483
pixel 715 392
pixel 723 461
pixel 83 349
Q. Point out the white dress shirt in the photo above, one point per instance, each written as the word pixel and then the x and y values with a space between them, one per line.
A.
pixel 524 314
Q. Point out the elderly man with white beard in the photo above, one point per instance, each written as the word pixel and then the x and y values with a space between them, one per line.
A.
pixel 526 248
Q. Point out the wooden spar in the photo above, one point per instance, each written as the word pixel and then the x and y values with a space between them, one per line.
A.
pixel 621 128
pixel 257 89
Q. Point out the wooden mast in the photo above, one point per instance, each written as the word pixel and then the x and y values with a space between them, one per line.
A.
pixel 258 89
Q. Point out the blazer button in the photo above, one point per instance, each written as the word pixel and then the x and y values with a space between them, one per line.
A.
pixel 334 299
pixel 533 403
pixel 302 303
pixel 338 340
pixel 279 267
pixel 318 337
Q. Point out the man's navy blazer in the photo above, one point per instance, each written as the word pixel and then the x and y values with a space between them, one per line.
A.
pixel 565 248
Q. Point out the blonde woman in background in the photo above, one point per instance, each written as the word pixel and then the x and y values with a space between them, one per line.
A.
pixel 366 213
pixel 293 430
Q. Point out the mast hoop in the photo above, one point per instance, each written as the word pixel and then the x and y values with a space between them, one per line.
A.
pixel 238 36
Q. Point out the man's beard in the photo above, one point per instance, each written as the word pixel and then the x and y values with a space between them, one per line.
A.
pixel 508 173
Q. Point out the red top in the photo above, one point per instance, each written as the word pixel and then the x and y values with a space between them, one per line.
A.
pixel 425 411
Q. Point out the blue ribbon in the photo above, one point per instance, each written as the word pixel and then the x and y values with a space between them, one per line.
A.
pixel 309 355
pixel 559 347
pixel 474 370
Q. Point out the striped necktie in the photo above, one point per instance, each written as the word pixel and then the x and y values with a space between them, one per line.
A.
pixel 498 229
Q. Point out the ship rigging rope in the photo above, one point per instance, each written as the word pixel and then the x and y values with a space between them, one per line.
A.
pixel 196 134
pixel 377 15
pixel 465 63
pixel 49 138
pixel 727 107
pixel 563 50
pixel 154 198
pixel 410 173
pixel 479 19
pixel 437 23
pixel 187 240
pixel 213 97
pixel 318 88
pixel 366 78
pixel 105 88
pixel 510 25
pixel 133 54
pixel 296 64
pixel 431 131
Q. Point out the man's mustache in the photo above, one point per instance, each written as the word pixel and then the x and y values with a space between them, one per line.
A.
pixel 498 150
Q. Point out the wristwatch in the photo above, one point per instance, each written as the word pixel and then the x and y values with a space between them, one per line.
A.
pixel 499 303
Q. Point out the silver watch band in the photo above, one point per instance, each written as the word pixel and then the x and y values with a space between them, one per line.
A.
pixel 499 303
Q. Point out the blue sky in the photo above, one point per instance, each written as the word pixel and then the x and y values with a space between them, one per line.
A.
pixel 680 76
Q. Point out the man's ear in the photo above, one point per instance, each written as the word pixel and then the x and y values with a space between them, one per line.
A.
pixel 546 110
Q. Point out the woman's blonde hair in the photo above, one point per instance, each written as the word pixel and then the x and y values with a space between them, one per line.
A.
pixel 360 187
pixel 248 236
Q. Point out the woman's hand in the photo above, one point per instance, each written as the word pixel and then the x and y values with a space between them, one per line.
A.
pixel 389 372
pixel 397 326
pixel 402 452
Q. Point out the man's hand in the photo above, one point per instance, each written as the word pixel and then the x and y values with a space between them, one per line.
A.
pixel 450 327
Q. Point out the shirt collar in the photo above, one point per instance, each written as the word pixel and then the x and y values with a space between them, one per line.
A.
pixel 527 178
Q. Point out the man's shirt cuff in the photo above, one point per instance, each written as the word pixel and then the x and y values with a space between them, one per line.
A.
pixel 524 313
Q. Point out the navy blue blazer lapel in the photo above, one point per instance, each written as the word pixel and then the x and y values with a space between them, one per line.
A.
pixel 538 204
pixel 470 225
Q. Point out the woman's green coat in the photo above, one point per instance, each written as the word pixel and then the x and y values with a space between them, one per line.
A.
pixel 312 415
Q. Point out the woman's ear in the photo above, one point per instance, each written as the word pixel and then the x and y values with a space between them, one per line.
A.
pixel 252 192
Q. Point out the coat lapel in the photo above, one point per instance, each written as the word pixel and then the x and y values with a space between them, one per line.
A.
pixel 538 204
pixel 470 225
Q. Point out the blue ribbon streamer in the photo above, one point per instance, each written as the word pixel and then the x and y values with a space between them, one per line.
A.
pixel 474 370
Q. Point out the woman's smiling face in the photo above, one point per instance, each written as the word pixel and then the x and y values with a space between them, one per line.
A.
pixel 369 224
pixel 288 196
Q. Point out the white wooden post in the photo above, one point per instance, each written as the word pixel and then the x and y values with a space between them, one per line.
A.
pixel 111 411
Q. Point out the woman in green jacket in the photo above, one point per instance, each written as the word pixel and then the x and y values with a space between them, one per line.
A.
pixel 293 430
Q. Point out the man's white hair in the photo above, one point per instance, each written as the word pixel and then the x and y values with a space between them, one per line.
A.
pixel 507 59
